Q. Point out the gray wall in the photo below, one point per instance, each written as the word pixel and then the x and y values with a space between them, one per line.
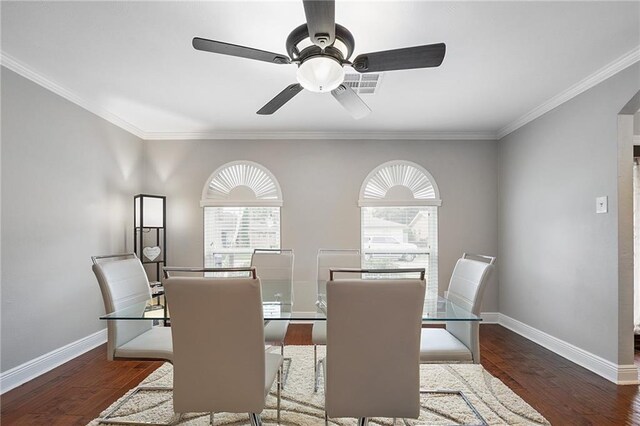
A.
pixel 320 181
pixel 559 259
pixel 68 180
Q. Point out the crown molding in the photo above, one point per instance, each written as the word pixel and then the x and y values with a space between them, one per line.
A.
pixel 18 67
pixel 599 76
pixel 323 135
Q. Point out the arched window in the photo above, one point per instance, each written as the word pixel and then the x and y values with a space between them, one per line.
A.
pixel 399 219
pixel 241 202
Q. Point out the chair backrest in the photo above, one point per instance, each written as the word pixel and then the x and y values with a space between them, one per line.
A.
pixel 373 347
pixel 468 282
pixel 123 282
pixel 218 344
pixel 466 289
pixel 275 270
pixel 334 258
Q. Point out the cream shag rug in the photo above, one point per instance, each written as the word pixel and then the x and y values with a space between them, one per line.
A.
pixel 497 404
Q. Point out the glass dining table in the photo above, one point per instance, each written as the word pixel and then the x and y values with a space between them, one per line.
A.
pixel 275 307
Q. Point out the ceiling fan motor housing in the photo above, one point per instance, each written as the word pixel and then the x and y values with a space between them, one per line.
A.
pixel 301 33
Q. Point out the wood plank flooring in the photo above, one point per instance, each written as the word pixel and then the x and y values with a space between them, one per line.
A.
pixel 566 394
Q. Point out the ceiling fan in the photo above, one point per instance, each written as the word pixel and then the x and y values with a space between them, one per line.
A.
pixel 321 48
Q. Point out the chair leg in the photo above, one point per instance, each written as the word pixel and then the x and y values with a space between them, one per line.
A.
pixel 255 419
pixel 326 419
pixel 211 419
pixel 284 379
pixel 315 368
pixel 317 380
pixel 285 371
pixel 279 388
pixel 363 421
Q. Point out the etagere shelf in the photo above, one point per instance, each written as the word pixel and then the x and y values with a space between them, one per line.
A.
pixel 150 237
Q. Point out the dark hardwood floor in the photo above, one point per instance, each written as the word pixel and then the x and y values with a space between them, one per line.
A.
pixel 566 394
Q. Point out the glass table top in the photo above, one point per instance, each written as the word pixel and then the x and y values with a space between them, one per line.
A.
pixel 435 308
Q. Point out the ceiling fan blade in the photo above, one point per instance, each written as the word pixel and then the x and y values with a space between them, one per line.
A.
pixel 239 51
pixel 430 55
pixel 280 99
pixel 351 101
pixel 321 21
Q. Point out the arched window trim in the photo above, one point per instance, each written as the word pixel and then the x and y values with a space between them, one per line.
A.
pixel 208 201
pixel 373 202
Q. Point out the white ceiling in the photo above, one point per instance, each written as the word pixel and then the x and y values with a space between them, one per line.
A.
pixel 132 62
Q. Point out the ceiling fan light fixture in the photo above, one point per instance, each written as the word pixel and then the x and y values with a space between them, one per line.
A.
pixel 320 74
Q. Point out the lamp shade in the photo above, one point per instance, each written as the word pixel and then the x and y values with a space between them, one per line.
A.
pixel 149 211
pixel 320 74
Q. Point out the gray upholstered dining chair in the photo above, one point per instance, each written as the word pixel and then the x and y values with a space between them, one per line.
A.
pixel 275 270
pixel 460 340
pixel 373 347
pixel 220 364
pixel 123 283
pixel 327 259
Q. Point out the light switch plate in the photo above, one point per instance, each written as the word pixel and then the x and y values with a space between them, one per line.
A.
pixel 602 204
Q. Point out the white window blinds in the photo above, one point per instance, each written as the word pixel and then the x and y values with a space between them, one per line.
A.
pixel 231 234
pixel 401 237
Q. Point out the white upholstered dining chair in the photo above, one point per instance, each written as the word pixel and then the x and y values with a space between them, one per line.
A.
pixel 460 340
pixel 327 259
pixel 373 347
pixel 220 364
pixel 123 283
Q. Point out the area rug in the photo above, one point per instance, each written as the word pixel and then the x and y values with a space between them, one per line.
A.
pixel 493 400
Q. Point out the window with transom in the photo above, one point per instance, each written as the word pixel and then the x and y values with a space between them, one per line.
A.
pixel 399 203
pixel 241 202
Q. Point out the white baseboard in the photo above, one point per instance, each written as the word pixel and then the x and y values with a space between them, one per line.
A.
pixel 627 375
pixel 490 317
pixel 619 374
pixel 31 369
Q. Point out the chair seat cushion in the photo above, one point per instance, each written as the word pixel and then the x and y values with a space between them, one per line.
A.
pixel 275 331
pixel 153 344
pixel 438 345
pixel 272 363
pixel 319 333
